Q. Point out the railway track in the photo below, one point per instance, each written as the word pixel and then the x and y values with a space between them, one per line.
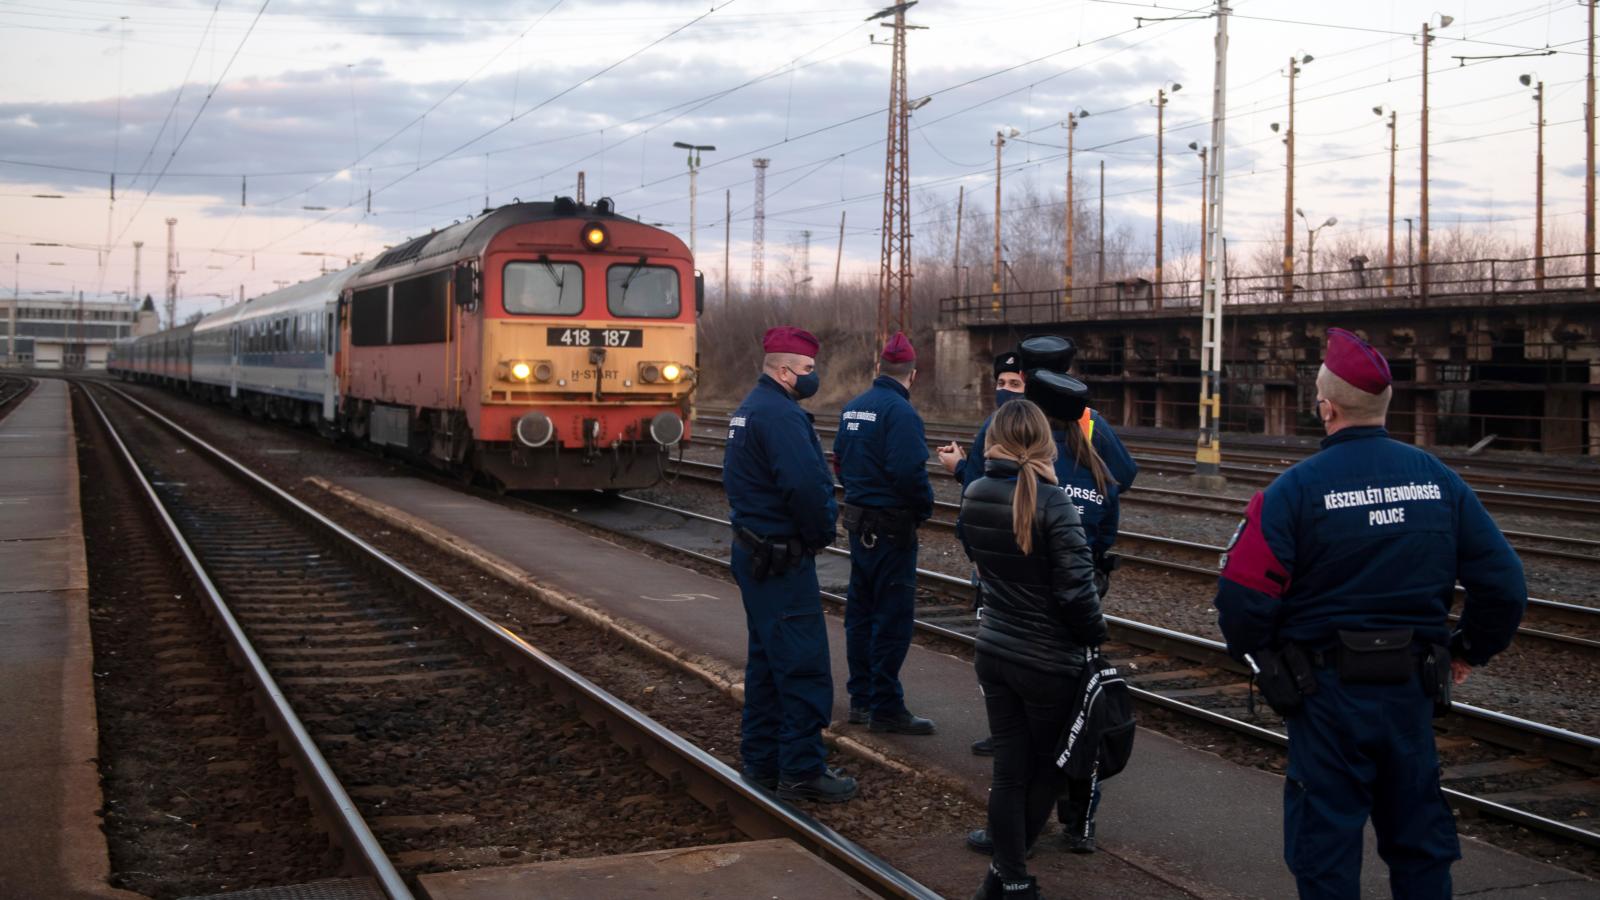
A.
pixel 1547 621
pixel 361 667
pixel 1512 769
pixel 1583 551
pixel 1543 496
pixel 13 388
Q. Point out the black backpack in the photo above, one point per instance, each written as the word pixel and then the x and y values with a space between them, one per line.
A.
pixel 1098 739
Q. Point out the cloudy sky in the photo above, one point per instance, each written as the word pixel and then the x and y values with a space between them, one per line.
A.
pixel 262 126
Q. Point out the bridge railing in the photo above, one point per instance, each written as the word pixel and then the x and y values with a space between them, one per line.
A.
pixel 1368 285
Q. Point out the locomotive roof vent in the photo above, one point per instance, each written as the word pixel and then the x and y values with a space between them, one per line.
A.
pixel 565 206
pixel 605 206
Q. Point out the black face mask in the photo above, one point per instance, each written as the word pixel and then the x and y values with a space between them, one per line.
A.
pixel 1001 395
pixel 806 385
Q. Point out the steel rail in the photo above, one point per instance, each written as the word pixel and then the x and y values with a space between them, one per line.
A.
pixel 1500 728
pixel 327 794
pixel 705 777
pixel 1569 613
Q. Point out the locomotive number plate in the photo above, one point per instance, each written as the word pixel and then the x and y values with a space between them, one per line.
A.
pixel 595 337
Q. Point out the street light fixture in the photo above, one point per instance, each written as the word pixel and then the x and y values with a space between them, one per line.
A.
pixel 694 167
pixel 1311 240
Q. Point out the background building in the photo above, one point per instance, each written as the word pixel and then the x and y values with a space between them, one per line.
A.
pixel 57 332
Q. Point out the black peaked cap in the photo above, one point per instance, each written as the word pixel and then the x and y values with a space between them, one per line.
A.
pixel 1009 361
pixel 1047 351
pixel 1060 396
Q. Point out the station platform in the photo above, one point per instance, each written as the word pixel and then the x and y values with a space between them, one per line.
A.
pixel 49 826
pixel 1179 817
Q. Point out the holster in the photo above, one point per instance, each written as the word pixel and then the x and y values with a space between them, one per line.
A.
pixel 769 557
pixel 1284 678
pixel 872 524
pixel 1436 677
pixel 1375 657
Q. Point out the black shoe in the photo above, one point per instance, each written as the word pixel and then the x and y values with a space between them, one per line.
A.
pixel 984 747
pixel 978 841
pixel 860 715
pixel 765 782
pixel 828 787
pixel 905 723
pixel 996 888
pixel 1079 839
pixel 991 889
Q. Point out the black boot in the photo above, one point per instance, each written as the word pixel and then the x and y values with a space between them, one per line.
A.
pixel 828 787
pixel 1078 835
pixel 984 747
pixel 905 723
pixel 978 841
pixel 991 889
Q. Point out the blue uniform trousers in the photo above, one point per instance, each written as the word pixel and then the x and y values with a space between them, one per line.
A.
pixel 879 614
pixel 1359 750
pixel 788 683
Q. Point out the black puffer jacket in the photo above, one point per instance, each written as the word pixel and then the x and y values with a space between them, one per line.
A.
pixel 1039 610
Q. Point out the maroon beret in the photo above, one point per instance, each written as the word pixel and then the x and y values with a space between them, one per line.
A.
pixel 1354 360
pixel 789 339
pixel 898 349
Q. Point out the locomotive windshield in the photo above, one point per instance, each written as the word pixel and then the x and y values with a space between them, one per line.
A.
pixel 640 291
pixel 544 288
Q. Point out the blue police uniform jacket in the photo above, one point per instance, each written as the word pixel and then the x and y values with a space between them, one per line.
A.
pixel 1101 515
pixel 773 470
pixel 881 451
pixel 1368 534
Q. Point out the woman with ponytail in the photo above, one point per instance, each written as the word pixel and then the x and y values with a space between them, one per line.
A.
pixel 1041 615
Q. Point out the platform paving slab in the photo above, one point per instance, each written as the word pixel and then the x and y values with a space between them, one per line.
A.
pixel 777 869
pixel 1207 826
pixel 50 786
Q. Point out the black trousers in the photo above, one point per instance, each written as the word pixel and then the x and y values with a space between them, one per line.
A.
pixel 1028 710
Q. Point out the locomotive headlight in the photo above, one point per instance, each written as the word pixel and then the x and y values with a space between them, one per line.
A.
pixel 543 371
pixel 671 372
pixel 521 370
pixel 595 236
pixel 649 373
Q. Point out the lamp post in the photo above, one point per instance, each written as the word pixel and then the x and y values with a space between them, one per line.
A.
pixel 1538 202
pixel 694 167
pixel 1161 105
pixel 1311 241
pixel 1288 184
pixel 1422 241
pixel 999 143
pixel 1071 126
pixel 1388 275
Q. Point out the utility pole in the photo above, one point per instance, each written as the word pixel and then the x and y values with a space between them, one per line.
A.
pixel 1208 444
pixel 1161 135
pixel 1288 188
pixel 172 273
pixel 894 266
pixel 1072 231
pixel 1422 239
pixel 999 145
pixel 955 261
pixel 1195 146
pixel 138 255
pixel 805 262
pixel 694 168
pixel 1538 193
pixel 1100 246
pixel 838 258
pixel 727 243
pixel 758 248
pixel 1588 171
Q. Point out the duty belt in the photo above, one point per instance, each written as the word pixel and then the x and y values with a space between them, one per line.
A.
pixel 871 523
pixel 769 556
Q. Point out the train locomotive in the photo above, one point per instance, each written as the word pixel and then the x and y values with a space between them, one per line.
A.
pixel 538 346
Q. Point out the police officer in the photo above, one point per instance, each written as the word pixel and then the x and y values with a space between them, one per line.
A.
pixel 881 453
pixel 781 495
pixel 1336 587
pixel 1008 385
